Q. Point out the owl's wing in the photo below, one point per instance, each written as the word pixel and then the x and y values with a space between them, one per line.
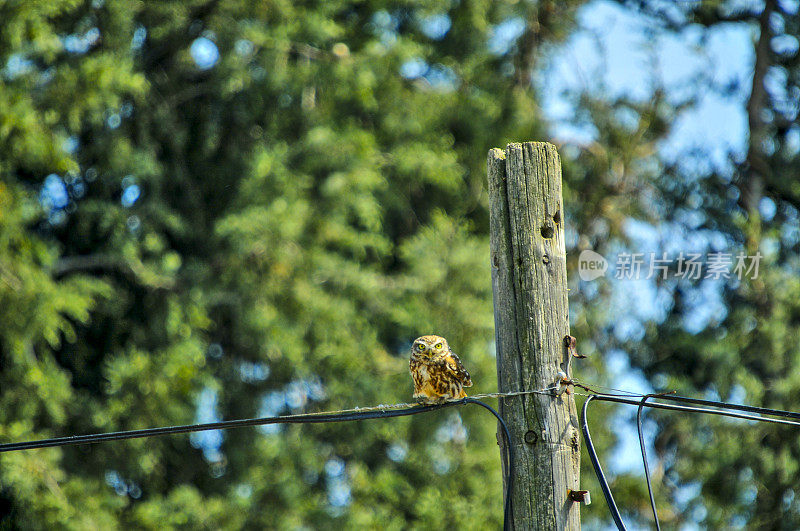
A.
pixel 458 370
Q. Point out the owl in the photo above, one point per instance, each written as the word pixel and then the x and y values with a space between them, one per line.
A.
pixel 437 372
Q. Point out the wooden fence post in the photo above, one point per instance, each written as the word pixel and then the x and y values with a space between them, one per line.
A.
pixel 529 281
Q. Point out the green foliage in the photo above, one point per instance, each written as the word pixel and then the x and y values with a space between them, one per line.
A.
pixel 226 209
pixel 741 475
pixel 230 209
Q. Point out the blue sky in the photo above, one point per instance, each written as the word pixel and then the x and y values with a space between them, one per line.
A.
pixel 618 53
pixel 614 52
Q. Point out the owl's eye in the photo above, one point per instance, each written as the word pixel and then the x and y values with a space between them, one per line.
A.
pixel 420 347
pixel 437 346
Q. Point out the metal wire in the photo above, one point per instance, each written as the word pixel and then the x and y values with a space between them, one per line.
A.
pixel 400 410
pixel 644 459
pixel 721 411
pixel 738 407
pixel 579 383
pixel 598 469
pixel 357 413
pixel 372 412
pixel 346 415
pixel 508 465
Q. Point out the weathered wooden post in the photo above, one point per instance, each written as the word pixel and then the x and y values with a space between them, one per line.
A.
pixel 529 280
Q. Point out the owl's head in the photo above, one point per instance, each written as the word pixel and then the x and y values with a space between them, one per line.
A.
pixel 430 346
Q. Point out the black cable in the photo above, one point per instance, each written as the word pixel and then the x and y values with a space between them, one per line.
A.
pixel 290 419
pixel 644 459
pixel 719 412
pixel 598 470
pixel 739 407
pixel 612 506
pixel 508 465
pixel 150 432
pixel 509 454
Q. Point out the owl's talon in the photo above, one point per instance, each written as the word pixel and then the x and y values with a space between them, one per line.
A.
pixel 427 401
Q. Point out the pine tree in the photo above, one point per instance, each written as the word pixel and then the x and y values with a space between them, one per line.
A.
pixel 230 209
pixel 741 474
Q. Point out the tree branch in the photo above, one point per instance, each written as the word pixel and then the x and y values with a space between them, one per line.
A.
pixel 752 187
pixel 106 263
